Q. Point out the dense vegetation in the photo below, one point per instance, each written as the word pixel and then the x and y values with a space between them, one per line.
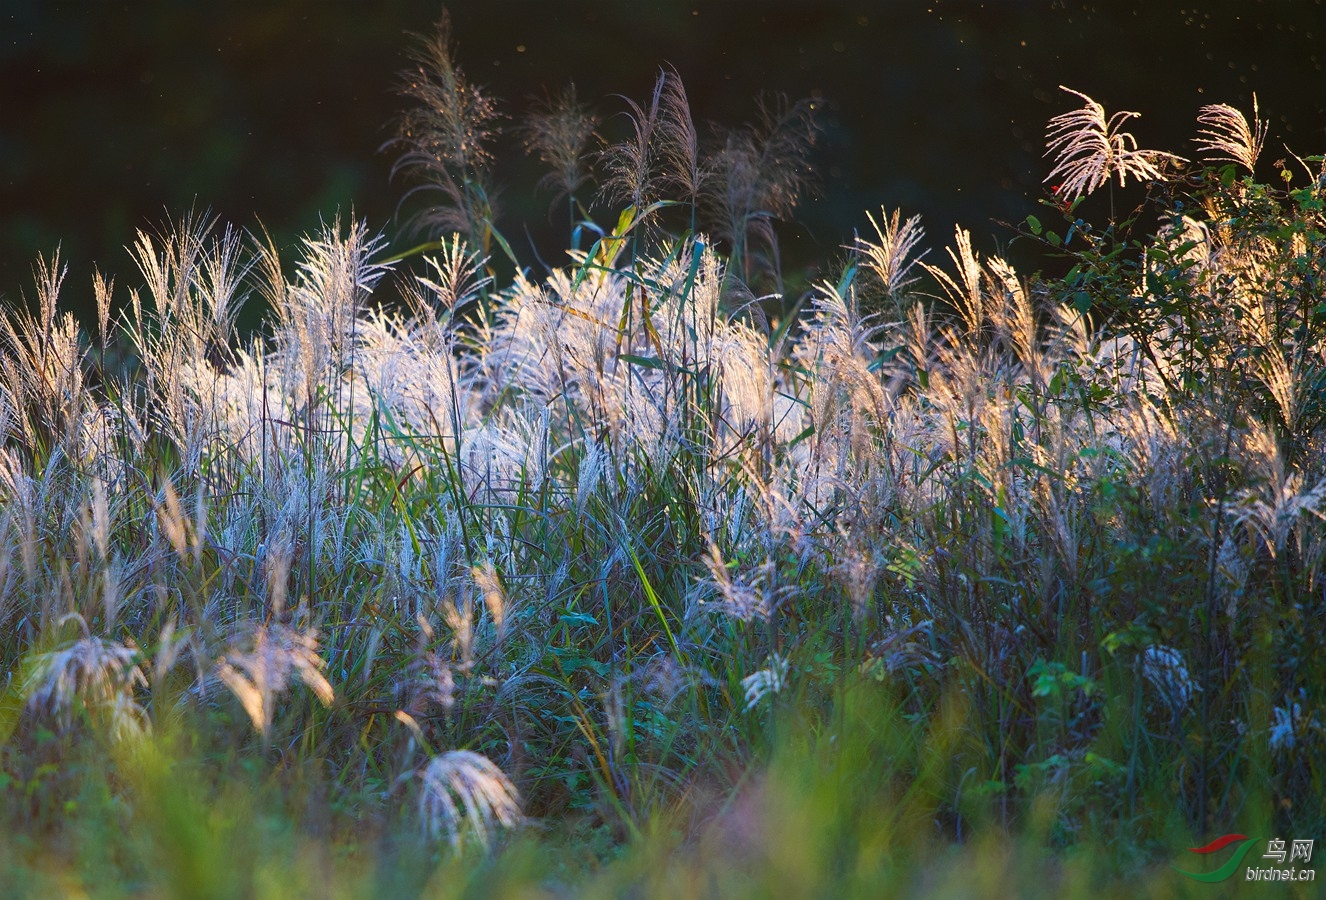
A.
pixel 626 578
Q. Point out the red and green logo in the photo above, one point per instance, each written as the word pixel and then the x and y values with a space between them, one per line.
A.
pixel 1231 865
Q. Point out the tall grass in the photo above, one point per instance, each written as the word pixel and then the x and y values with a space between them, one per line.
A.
pixel 954 581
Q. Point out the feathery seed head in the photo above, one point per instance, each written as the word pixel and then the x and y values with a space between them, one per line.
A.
pixel 559 132
pixel 1227 137
pixel 745 598
pixel 445 140
pixel 1292 725
pixel 99 673
pixel 459 616
pixel 765 682
pixel 433 682
pixel 488 584
pixel 891 255
pixel 464 793
pixel 1090 148
pixel 1164 668
pixel 632 164
pixel 262 661
pixel 458 274
pixel 965 293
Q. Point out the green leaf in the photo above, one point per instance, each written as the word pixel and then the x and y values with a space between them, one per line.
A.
pixel 650 594
pixel 506 247
pixel 884 358
pixel 610 248
pixel 1035 225
pixel 807 432
pixel 1028 463
pixel 415 251
pixel 644 362
pixel 571 659
pixel 849 275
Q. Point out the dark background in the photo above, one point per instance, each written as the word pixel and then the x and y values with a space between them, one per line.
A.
pixel 114 116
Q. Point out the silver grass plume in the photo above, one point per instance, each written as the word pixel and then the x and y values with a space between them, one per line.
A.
pixel 445 141
pixel 1164 668
pixel 41 365
pixel 317 314
pixel 431 680
pixel 102 289
pixel 758 176
pixel 632 164
pixel 1015 318
pixel 744 597
pixel 891 256
pixel 965 292
pixel 465 793
pixel 558 132
pixel 765 682
pixel 1089 149
pixel 1292 725
pixel 1274 509
pixel 223 271
pixel 99 673
pixel 194 276
pixel 261 663
pixel 457 276
pixel 1227 137
pixel 835 347
pixel 680 143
